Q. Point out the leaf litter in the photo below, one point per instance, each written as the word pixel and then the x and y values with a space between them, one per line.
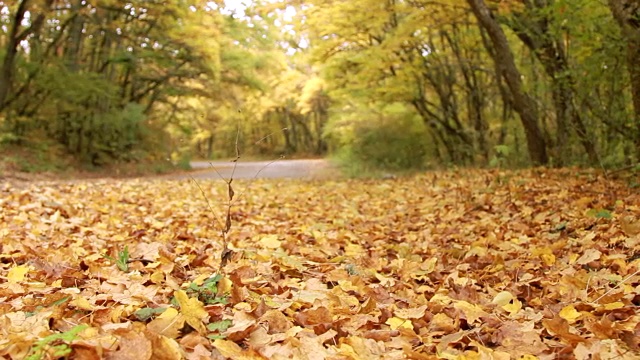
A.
pixel 536 264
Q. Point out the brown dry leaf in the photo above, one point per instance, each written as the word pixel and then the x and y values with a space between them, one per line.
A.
pixel 200 352
pixel 276 321
pixel 588 256
pixel 463 264
pixel 560 327
pixel 360 348
pixel 320 315
pixel 243 323
pixel 132 346
pixel 630 226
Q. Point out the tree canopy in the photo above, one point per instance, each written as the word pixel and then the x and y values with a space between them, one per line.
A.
pixel 473 82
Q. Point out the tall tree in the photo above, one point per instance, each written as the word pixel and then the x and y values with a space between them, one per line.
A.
pixel 536 25
pixel 627 14
pixel 522 101
pixel 18 33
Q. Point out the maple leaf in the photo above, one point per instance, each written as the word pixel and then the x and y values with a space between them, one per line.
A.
pixel 192 310
pixel 466 269
pixel 168 323
pixel 17 273
pixel 232 350
pixel 132 345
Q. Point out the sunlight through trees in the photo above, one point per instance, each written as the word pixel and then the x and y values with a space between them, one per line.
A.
pixel 553 82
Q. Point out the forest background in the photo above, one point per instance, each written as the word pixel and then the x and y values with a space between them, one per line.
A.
pixel 389 84
pixel 465 263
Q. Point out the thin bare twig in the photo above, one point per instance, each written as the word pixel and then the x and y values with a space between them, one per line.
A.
pixel 226 253
pixel 617 285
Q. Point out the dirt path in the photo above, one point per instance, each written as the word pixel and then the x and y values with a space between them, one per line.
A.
pixel 294 169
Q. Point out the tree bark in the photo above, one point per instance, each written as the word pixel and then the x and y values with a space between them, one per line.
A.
pixel 522 102
pixel 11 51
pixel 532 27
pixel 627 14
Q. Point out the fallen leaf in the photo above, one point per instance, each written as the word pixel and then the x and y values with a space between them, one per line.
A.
pixel 570 314
pixel 231 350
pixel 167 323
pixel 17 273
pixel 193 311
pixel 132 345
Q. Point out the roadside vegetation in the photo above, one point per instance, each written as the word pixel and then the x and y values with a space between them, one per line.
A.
pixel 490 208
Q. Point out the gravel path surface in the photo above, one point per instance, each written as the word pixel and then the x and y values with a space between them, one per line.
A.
pixel 293 169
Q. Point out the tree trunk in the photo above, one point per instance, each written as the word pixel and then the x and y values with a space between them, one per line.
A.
pixel 475 96
pixel 627 14
pixel 522 102
pixel 533 28
pixel 11 50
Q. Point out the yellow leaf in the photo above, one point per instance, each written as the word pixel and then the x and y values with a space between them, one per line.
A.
pixel 439 298
pixel 503 298
pixel 224 285
pixel 192 310
pixel 352 250
pixel 573 258
pixel 55 217
pixel 513 308
pixel 570 314
pixel 471 312
pixel 548 259
pixel 396 323
pixel 630 226
pixel 157 277
pixel 614 305
pixel 167 324
pixel 270 242
pixel 166 349
pixel 201 279
pixel 17 273
pixel 168 314
pixel 477 251
pixel 430 265
pixel 82 303
pixel 487 353
pixel 231 350
pixel 384 280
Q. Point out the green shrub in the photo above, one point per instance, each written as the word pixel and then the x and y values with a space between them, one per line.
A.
pixel 117 134
pixel 391 139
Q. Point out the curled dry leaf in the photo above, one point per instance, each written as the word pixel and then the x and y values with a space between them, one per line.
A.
pixel 465 264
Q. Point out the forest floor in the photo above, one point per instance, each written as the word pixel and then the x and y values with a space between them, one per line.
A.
pixel 466 264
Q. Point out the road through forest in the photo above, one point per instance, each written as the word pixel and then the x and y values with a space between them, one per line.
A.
pixel 293 169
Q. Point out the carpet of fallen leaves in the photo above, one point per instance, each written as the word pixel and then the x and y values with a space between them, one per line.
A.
pixel 534 264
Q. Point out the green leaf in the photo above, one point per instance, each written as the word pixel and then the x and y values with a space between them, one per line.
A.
pixel 53 342
pixel 147 313
pixel 220 326
pixel 600 214
pixel 560 227
pixel 123 259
